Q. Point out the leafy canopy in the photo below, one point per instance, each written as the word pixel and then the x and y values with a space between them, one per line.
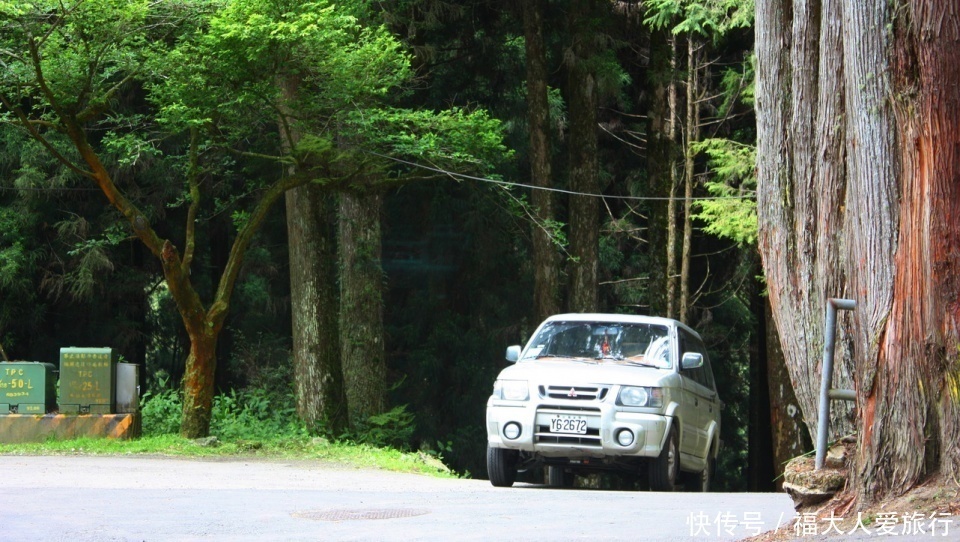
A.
pixel 733 167
pixel 709 18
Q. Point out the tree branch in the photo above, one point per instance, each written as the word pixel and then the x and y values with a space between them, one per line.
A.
pixel 192 178
pixel 28 125
pixel 221 303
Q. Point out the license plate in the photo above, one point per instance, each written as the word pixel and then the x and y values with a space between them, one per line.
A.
pixel 568 424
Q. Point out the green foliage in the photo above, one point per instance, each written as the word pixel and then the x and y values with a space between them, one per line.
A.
pixel 252 414
pixel 87 49
pixel 301 448
pixel 16 258
pixel 454 137
pixel 255 414
pixel 160 412
pixel 392 429
pixel 728 341
pixel 732 167
pixel 228 72
pixel 711 18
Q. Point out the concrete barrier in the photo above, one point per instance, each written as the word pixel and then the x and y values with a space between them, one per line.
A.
pixel 18 428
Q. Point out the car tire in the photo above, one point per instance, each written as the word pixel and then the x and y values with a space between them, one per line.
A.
pixel 556 477
pixel 665 468
pixel 501 466
pixel 704 479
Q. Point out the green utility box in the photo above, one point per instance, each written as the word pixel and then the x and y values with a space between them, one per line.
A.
pixel 27 387
pixel 88 380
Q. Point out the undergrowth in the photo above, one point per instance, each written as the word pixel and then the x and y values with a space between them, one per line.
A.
pixel 255 422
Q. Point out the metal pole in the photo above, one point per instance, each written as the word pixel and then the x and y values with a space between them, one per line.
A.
pixel 826 380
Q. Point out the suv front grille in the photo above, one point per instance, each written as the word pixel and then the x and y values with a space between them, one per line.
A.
pixel 592 438
pixel 574 393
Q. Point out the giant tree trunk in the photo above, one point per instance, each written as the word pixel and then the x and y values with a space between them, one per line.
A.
pixel 584 168
pixel 546 291
pixel 318 379
pixel 361 306
pixel 905 257
pixel 801 175
pixel 314 309
pixel 893 181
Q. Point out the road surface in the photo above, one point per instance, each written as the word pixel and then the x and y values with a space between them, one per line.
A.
pixel 133 498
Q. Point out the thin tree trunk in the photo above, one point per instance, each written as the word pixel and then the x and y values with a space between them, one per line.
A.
pixel 661 171
pixel 361 306
pixel 203 324
pixel 546 294
pixel 691 134
pixel 672 274
pixel 584 169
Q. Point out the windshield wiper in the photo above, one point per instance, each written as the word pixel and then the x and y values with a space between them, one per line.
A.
pixel 582 359
pixel 641 364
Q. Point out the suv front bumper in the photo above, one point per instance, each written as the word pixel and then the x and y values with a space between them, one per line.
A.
pixel 604 424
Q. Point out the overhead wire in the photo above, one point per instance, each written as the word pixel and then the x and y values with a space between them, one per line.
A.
pixel 456 175
pixel 551 189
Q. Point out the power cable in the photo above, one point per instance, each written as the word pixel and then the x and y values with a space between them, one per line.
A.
pixel 551 189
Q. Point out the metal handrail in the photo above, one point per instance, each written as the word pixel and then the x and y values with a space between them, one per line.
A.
pixel 826 381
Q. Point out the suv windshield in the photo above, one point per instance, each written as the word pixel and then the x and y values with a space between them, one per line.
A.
pixel 642 344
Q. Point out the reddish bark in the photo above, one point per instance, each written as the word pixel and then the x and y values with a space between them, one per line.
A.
pixel 900 253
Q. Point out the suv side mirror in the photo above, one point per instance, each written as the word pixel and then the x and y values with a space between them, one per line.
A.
pixel 513 354
pixel 691 360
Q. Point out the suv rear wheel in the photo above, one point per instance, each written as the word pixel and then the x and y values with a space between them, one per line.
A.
pixel 664 469
pixel 705 479
pixel 556 477
pixel 501 466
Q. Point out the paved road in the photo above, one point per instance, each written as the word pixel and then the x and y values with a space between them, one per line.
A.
pixel 148 498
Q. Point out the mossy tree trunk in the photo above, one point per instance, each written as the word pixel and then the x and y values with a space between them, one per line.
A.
pixel 314 308
pixel 584 166
pixel 361 305
pixel 546 259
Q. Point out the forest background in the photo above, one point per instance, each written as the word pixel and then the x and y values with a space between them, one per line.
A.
pixel 470 167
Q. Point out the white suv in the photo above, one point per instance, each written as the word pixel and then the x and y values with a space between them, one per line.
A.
pixel 593 392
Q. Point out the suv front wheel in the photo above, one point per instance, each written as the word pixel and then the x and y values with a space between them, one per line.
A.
pixel 664 469
pixel 502 466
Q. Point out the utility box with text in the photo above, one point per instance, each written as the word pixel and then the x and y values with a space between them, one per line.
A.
pixel 88 380
pixel 27 387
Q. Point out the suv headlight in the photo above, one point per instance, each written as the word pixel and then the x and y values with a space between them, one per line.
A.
pixel 511 390
pixel 637 396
